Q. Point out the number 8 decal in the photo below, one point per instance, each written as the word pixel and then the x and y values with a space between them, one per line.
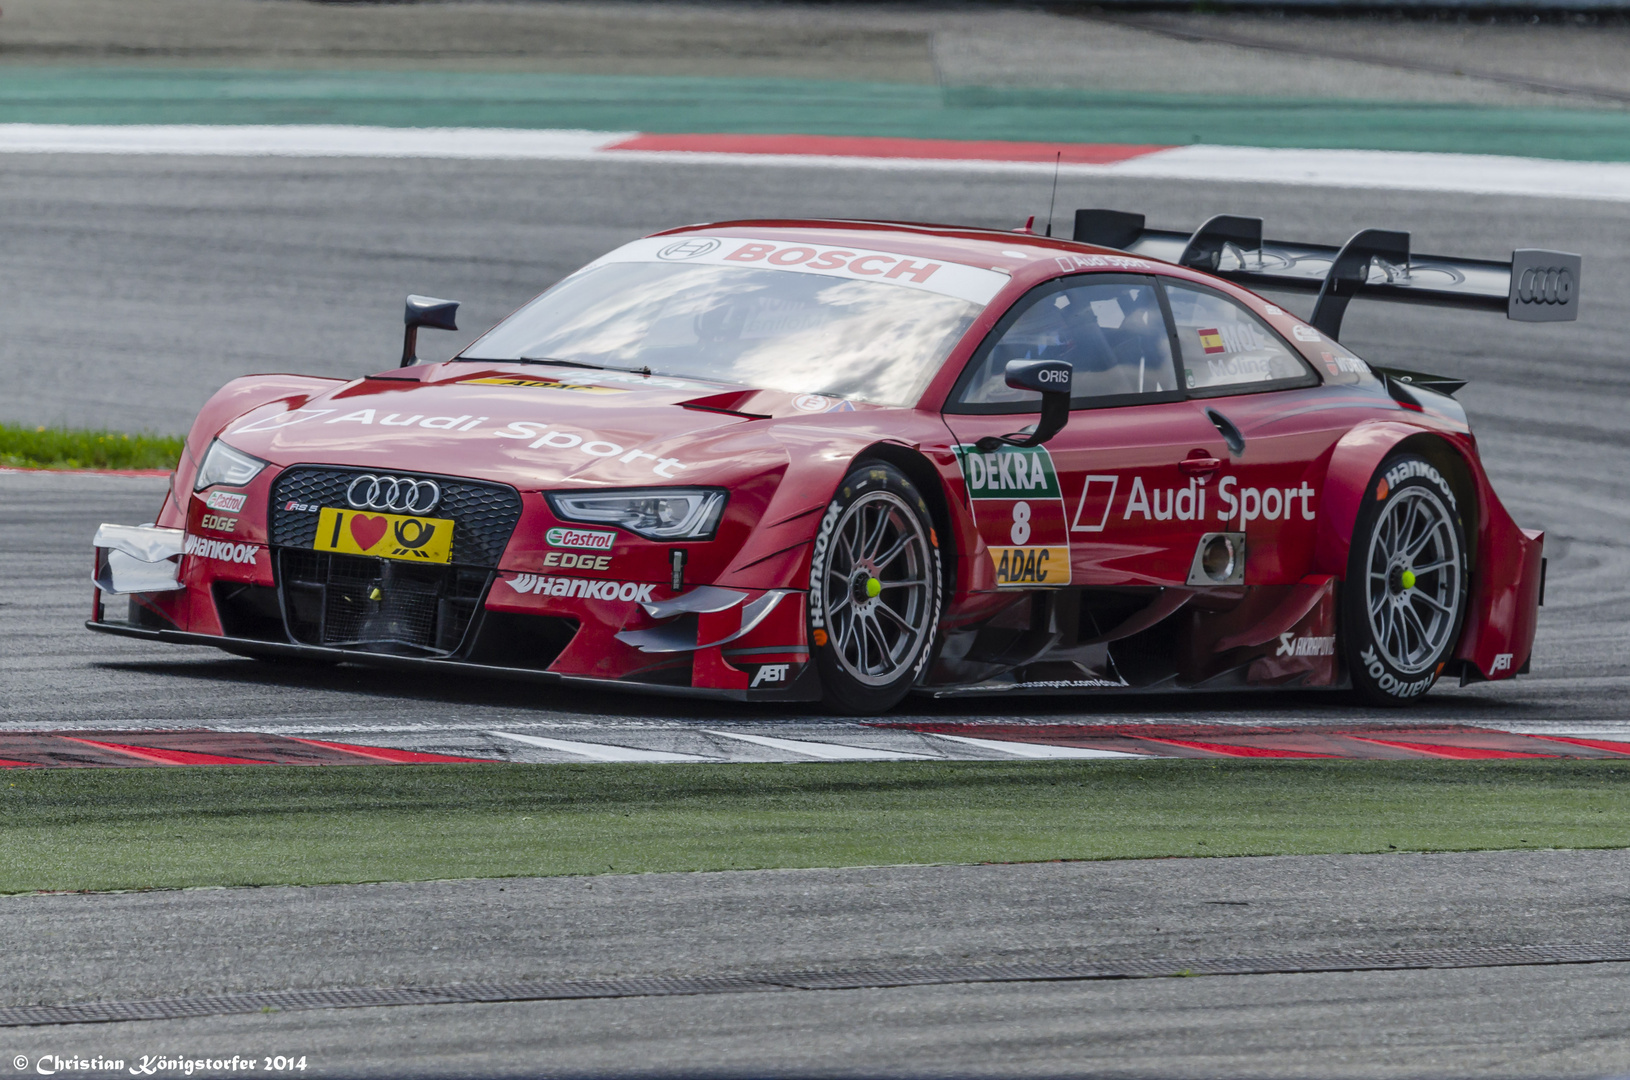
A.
pixel 1021 523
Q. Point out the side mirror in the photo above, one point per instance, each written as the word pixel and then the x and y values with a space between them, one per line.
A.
pixel 425 311
pixel 1051 379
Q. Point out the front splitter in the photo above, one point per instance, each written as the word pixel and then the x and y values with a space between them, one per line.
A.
pixel 325 654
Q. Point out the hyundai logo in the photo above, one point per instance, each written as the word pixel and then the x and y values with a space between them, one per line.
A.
pixel 401 494
pixel 1545 285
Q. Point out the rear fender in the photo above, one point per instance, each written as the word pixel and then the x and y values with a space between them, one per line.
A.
pixel 1502 606
pixel 1498 636
pixel 1353 461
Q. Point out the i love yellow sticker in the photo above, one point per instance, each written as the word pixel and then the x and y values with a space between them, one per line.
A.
pixel 385 536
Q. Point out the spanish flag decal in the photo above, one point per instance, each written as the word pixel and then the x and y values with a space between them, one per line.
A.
pixel 1211 341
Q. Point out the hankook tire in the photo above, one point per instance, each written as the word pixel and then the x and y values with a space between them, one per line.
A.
pixel 1404 600
pixel 875 591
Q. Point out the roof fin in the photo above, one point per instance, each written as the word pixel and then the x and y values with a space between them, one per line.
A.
pixel 1107 228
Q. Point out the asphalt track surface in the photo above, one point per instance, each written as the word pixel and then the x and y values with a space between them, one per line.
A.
pixel 135 285
pixel 1558 1021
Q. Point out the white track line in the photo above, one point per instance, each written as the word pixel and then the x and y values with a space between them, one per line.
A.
pixel 1485 174
pixel 825 751
pixel 1038 750
pixel 306 140
pixel 1609 731
pixel 1463 173
pixel 597 751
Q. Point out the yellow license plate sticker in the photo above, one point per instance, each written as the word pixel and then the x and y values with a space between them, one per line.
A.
pixel 1031 565
pixel 385 536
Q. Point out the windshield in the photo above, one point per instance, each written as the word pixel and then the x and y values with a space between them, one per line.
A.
pixel 774 328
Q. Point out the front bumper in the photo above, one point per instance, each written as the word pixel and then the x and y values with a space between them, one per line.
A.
pixel 507 601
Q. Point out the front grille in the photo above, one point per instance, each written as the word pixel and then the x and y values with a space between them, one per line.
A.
pixel 483 514
pixel 384 604
pixel 349 600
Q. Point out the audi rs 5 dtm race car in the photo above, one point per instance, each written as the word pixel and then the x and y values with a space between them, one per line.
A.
pixel 845 460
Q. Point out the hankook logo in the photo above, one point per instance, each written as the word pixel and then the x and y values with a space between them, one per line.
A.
pixel 1545 285
pixel 400 494
pixel 689 249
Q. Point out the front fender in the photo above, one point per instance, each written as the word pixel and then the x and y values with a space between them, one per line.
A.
pixel 818 458
pixel 231 401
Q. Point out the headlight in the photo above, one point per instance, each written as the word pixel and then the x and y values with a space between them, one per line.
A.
pixel 224 465
pixel 654 513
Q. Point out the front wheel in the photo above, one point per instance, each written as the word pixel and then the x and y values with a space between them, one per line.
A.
pixel 874 591
pixel 1405 596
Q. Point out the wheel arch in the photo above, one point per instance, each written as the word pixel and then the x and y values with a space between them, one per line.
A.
pixel 921 472
pixel 1353 465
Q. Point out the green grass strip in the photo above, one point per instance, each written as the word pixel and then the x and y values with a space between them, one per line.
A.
pixel 171 827
pixel 25 447
pixel 66 95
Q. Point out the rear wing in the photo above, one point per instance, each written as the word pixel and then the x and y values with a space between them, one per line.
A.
pixel 1535 286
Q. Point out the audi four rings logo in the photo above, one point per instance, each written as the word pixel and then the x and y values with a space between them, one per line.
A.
pixel 1545 285
pixel 402 494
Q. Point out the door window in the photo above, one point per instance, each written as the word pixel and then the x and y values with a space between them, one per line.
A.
pixel 1113 333
pixel 1227 349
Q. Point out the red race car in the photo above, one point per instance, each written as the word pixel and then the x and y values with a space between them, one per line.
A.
pixel 840 461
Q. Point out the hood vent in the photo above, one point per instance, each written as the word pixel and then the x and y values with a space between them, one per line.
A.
pixel 730 403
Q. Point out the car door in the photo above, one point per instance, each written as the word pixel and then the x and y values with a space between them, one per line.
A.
pixel 1260 389
pixel 1121 496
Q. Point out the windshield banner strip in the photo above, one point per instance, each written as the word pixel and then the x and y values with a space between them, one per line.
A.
pixel 969 283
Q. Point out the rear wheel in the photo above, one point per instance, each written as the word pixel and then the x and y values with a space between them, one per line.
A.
pixel 1405 597
pixel 875 591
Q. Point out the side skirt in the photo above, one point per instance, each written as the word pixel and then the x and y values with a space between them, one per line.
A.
pixel 1217 685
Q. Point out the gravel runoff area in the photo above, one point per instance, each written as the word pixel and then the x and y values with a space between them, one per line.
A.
pixel 952 44
pixel 1552 1021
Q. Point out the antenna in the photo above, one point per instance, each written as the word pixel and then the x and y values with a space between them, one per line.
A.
pixel 1054 200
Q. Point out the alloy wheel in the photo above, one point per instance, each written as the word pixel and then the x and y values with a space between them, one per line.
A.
pixel 1413 580
pixel 877 588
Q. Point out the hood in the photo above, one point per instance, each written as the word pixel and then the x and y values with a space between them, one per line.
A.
pixel 531 426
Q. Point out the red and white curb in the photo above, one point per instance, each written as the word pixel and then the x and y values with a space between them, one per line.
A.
pixel 136 474
pixel 684 743
pixel 1460 173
